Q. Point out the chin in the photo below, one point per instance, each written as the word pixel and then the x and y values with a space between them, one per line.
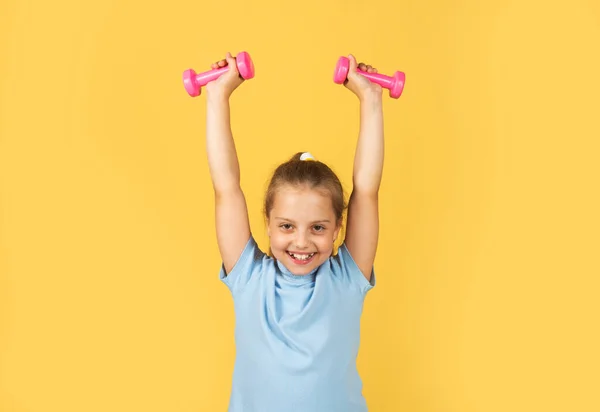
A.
pixel 299 266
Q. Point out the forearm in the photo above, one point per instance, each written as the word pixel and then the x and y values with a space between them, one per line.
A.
pixel 368 159
pixel 220 147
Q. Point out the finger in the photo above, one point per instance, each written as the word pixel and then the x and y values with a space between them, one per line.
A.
pixel 218 64
pixel 362 66
pixel 369 68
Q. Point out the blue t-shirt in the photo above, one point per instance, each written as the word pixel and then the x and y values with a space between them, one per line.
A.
pixel 297 337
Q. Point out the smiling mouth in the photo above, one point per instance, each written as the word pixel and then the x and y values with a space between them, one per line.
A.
pixel 301 258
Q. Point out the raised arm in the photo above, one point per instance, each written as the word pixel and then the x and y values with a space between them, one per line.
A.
pixel 362 231
pixel 231 212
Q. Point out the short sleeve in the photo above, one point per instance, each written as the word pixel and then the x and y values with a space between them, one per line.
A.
pixel 344 265
pixel 248 266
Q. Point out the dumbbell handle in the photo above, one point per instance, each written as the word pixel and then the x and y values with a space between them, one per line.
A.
pixel 202 79
pixel 381 79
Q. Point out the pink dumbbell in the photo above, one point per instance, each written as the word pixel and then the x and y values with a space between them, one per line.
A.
pixel 395 84
pixel 193 81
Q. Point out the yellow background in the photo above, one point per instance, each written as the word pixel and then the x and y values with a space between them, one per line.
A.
pixel 488 293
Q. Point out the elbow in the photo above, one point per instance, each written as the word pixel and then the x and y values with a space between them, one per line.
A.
pixel 226 182
pixel 366 186
pixel 226 190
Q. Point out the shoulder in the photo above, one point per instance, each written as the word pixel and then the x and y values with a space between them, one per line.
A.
pixel 344 267
pixel 249 266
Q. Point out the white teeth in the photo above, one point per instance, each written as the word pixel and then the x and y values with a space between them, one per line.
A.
pixel 302 257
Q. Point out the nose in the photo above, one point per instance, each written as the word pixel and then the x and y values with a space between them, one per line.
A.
pixel 301 240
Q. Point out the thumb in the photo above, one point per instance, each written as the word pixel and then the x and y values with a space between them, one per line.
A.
pixel 353 65
pixel 231 62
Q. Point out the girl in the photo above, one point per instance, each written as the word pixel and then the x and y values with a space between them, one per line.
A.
pixel 298 308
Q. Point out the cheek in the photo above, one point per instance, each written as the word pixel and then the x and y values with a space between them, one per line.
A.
pixel 325 245
pixel 277 241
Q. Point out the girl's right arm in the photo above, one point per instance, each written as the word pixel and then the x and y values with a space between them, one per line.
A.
pixel 231 212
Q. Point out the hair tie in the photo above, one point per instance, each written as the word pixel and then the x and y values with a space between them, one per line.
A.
pixel 307 156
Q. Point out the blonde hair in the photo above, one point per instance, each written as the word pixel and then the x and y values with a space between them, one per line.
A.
pixel 309 172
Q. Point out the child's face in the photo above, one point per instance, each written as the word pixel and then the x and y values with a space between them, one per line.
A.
pixel 302 228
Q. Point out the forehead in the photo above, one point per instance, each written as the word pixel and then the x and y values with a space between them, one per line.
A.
pixel 302 201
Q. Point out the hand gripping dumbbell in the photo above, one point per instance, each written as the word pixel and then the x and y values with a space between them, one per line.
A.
pixel 395 84
pixel 193 81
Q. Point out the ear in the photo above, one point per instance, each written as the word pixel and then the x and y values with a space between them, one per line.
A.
pixel 268 228
pixel 336 232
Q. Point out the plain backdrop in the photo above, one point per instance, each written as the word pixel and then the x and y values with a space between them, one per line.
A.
pixel 488 262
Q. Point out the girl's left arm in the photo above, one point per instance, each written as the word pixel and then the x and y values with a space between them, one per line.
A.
pixel 362 229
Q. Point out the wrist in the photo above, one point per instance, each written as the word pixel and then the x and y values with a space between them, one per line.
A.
pixel 371 98
pixel 371 103
pixel 216 98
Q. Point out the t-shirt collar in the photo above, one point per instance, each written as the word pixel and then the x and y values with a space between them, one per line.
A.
pixel 296 278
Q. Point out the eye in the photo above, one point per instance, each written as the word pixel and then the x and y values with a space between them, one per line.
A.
pixel 319 228
pixel 285 226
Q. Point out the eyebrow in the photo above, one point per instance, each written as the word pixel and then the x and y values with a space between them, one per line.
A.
pixel 290 220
